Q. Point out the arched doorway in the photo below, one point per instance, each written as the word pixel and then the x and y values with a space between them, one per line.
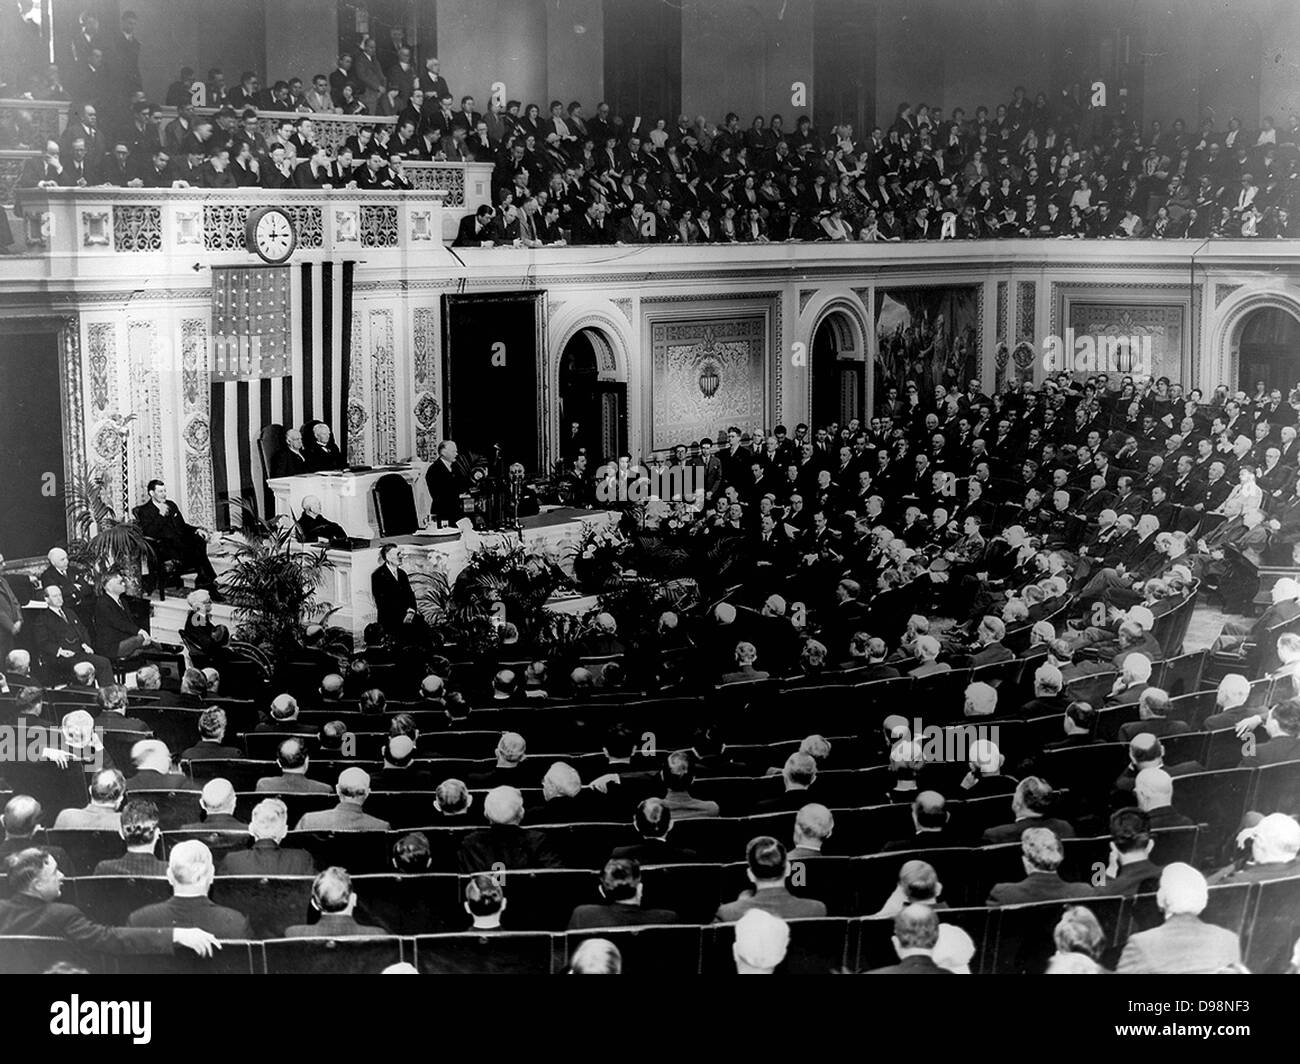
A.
pixel 593 404
pixel 838 364
pixel 1268 338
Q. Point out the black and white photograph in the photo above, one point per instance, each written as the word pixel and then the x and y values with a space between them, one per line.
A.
pixel 663 488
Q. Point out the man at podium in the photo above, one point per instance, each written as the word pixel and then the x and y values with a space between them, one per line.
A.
pixel 447 481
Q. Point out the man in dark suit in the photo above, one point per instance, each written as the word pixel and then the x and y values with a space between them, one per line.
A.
pixel 1153 717
pixel 190 872
pixel 1030 805
pixel 394 599
pixel 77 585
pixel 1042 854
pixel 916 934
pixel 322 452
pixel 768 868
pixel 653 820
pixel 153 769
pixel 475 230
pixel 620 887
pixel 1282 723
pixel 173 539
pixel 140 830
pixel 212 734
pixel 291 460
pixel 34 909
pixel 798 775
pixel 63 640
pixel 268 825
pixel 504 843
pixel 293 761
pixel 447 481
pixel 930 818
pixel 313 525
pixel 1131 870
pixel 333 897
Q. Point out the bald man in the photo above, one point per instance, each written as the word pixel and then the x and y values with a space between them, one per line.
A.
pixel 313 525
pixel 333 897
pixel 217 802
pixel 23 828
pixel 76 584
pixel 293 761
pixel 190 872
pixel 930 819
pixel 916 934
pixel 505 843
pixel 813 826
pixel 353 789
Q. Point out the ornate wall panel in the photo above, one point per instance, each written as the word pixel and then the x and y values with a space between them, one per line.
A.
pixel 1161 326
pixel 196 428
pixel 428 388
pixel 358 415
pixel 385 390
pixel 706 375
pixel 146 403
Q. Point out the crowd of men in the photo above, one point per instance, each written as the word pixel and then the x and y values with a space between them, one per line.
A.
pixel 1075 514
pixel 1046 166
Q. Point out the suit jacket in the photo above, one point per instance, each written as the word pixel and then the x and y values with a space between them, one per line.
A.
pixel 617 914
pixel 194 912
pixel 132 864
pixel 915 964
pixel 26 915
pixel 266 858
pixel 1158 728
pixel 393 596
pixel 445 489
pixel 333 925
pixel 54 633
pixel 291 783
pixel 322 458
pixel 149 780
pixel 923 840
pixel 1182 945
pixel 1038 886
pixel 506 846
pixel 1277 750
pixel 1138 877
pixel 113 623
pixel 11 612
pixel 468 234
pixel 655 852
pixel 289 463
pixel 346 816
pixel 206 749
pixel 776 900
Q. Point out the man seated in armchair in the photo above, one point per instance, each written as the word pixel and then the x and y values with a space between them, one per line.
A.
pixel 178 546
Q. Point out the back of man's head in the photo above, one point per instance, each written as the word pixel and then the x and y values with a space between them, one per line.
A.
pixel 916 928
pixel 678 771
pixel 762 940
pixel 331 891
pixel 1130 830
pixel 503 806
pixel 484 895
pixel 1183 891
pixel 292 754
pixel 621 879
pixel 800 770
pixel 270 820
pixel 1041 849
pixel 652 819
pixel 189 868
pixel 139 822
pixel 412 853
pixel 766 858
pixel 918 881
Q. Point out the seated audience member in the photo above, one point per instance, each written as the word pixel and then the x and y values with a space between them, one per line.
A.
pixel 620 889
pixel 190 872
pixel 746 655
pixel 653 821
pixel 918 884
pixel 1282 725
pixel 798 776
pixel 1080 724
pixel 1153 789
pixel 678 775
pixel 23 828
pixel 761 943
pixel 452 801
pixel 217 803
pixel 1153 717
pixel 485 902
pixel 1079 940
pixel 915 938
pixel 510 753
pixel 293 761
pixel 353 789
pixel 153 769
pixel 1144 751
pixel 140 830
pixel 1230 703
pixel 1130 869
pixel 266 857
pixel 1042 855
pixel 412 854
pixel 333 897
pixel 768 868
pixel 596 956
pixel 399 771
pixel 212 734
pixel 813 825
pixel 1030 804
pixel 985 776
pixel 1274 844
pixel 33 908
pixel 505 843
pixel 931 821
pixel 107 789
pixel 1184 944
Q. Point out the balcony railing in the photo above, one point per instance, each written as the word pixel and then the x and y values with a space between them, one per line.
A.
pixel 88 230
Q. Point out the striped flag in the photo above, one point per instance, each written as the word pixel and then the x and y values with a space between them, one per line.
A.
pixel 281 352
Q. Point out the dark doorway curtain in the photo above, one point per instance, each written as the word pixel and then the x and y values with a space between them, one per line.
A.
pixel 31 441
pixel 643 61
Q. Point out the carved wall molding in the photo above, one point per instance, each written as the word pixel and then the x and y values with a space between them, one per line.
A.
pixel 385 388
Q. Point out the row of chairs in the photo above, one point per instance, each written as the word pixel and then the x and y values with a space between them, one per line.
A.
pixel 1010 940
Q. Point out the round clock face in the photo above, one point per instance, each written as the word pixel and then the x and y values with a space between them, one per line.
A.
pixel 273 236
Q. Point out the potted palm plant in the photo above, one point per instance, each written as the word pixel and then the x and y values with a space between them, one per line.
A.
pixel 101 541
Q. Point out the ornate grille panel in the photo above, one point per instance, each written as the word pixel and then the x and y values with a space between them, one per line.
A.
pixel 137 228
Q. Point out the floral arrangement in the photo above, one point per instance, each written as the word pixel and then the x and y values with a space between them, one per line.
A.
pixel 597 555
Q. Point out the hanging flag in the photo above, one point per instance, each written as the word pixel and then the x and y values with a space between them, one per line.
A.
pixel 281 353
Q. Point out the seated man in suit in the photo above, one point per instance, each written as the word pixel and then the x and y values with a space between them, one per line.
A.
pixel 798 776
pixel 291 460
pixel 174 540
pixel 333 897
pixel 653 820
pixel 1282 724
pixel 746 655
pixel 1042 855
pixel 313 526
pixel 34 909
pixel 154 769
pixel 394 599
pixel 1184 944
pixel 1153 790
pixel 768 868
pixel 505 843
pixel 761 943
pixel 915 938
pixel 63 640
pixel 620 889
pixel 476 230
pixel 107 789
pixel 322 452
pixel 1130 869
pixel 212 734
pixel 353 789
pixel 217 803
pixel 1030 805
pixel 813 825
pixel 77 585
pixel 930 818
pixel 447 481
pixel 268 826
pixel 190 872
pixel 1153 717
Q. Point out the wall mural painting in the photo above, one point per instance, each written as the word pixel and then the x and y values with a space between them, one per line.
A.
pixel 927 335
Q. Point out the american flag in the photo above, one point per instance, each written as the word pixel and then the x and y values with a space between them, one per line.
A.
pixel 281 353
